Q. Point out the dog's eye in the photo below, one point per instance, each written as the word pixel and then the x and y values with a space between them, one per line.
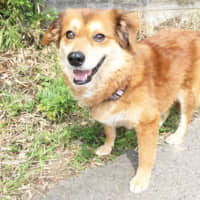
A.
pixel 99 37
pixel 70 35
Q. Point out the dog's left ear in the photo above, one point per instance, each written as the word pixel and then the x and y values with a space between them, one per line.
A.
pixel 53 32
pixel 127 24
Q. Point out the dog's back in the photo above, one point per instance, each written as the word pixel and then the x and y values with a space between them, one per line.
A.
pixel 174 64
pixel 174 67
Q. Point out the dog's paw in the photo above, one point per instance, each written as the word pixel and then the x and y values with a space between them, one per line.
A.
pixel 174 139
pixel 103 150
pixel 138 184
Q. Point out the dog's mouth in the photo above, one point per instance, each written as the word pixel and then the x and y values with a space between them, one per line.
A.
pixel 82 77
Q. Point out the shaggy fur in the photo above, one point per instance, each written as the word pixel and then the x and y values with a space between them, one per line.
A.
pixel 155 72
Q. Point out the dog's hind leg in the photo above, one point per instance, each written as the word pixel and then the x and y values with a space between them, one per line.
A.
pixel 186 99
pixel 188 96
pixel 109 142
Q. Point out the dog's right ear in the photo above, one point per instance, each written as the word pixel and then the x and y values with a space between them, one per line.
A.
pixel 53 32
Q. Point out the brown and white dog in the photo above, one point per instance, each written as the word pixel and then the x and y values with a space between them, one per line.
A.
pixel 128 83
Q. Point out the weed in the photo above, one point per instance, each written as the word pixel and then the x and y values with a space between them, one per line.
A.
pixel 18 21
pixel 81 157
pixel 14 104
pixel 55 99
pixel 15 148
pixel 172 121
pixel 126 139
pixel 3 125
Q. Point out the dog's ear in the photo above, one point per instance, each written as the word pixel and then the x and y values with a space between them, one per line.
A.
pixel 53 32
pixel 127 24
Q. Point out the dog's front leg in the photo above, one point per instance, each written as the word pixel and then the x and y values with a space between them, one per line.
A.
pixel 147 135
pixel 109 142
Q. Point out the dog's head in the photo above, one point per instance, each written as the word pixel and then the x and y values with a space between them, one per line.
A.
pixel 96 49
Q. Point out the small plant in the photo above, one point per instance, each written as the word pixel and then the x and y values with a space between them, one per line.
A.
pixel 172 121
pixel 55 99
pixel 18 21
pixel 15 104
pixel 126 139
pixel 83 156
pixel 91 135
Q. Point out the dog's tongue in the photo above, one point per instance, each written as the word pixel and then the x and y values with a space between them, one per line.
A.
pixel 82 74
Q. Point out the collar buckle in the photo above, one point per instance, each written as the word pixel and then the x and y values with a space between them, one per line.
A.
pixel 117 94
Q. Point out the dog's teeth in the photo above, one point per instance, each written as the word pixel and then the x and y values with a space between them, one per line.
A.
pixel 81 75
pixel 85 77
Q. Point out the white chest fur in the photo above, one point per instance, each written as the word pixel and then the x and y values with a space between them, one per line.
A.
pixel 126 118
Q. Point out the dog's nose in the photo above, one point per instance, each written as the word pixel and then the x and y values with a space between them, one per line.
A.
pixel 76 58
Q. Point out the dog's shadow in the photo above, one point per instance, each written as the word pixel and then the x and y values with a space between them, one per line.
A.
pixel 133 157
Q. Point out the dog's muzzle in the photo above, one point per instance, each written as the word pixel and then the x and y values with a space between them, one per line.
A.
pixel 82 77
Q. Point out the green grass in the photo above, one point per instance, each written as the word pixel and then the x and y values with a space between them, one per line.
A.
pixel 172 121
pixel 14 104
pixel 21 22
pixel 55 99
